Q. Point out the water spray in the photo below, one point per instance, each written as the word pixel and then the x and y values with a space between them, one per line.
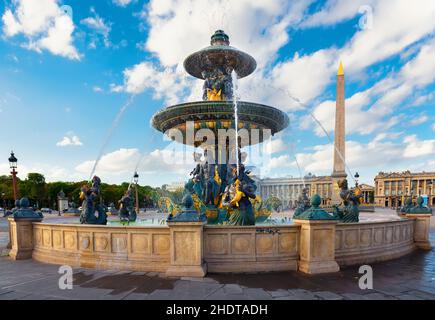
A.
pixel 236 116
pixel 110 133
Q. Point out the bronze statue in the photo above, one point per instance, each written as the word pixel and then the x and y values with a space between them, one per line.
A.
pixel 349 212
pixel 91 204
pixel 303 203
pixel 127 212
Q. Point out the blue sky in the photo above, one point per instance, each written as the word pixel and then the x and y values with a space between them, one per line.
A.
pixel 65 77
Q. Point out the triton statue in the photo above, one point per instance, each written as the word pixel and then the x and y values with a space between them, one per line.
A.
pixel 127 212
pixel 303 203
pixel 408 206
pixel 349 212
pixel 92 204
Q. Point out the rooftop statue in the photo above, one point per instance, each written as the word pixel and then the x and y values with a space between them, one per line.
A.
pixel 92 204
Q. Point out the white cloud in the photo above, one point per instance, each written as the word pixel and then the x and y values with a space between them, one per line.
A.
pixel 99 27
pixel 335 11
pixel 419 120
pixel 433 126
pixel 257 27
pixel 124 161
pixel 45 25
pixel 97 89
pixel 51 172
pixel 396 26
pixel 375 108
pixel 422 99
pixel 72 140
pixel 122 3
pixel 167 82
pixel 275 146
pixel 371 157
pixel 417 148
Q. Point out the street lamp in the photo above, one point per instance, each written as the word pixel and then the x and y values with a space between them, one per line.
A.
pixel 4 201
pixel 431 185
pixel 13 165
pixel 136 180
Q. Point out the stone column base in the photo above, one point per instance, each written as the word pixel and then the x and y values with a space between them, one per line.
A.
pixel 21 232
pixel 317 246
pixel 318 267
pixel 421 229
pixel 425 245
pixel 9 246
pixel 187 271
pixel 186 249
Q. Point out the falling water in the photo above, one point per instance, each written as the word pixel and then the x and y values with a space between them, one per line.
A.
pixel 324 131
pixel 306 107
pixel 139 161
pixel 110 133
pixel 236 116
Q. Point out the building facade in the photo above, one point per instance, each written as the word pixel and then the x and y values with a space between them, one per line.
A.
pixel 288 189
pixel 175 186
pixel 392 188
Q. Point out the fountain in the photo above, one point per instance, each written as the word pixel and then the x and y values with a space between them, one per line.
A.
pixel 222 225
pixel 220 186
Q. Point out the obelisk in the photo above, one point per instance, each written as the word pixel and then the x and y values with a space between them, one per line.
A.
pixel 339 170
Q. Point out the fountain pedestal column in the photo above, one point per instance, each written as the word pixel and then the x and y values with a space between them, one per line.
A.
pixel 21 233
pixel 186 242
pixel 317 246
pixel 421 229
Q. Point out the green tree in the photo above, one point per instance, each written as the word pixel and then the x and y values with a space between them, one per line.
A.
pixel 36 185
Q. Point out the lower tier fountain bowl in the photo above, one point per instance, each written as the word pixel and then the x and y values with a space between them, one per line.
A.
pixel 216 115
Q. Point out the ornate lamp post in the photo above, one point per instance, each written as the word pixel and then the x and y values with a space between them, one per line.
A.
pixel 13 165
pixel 136 180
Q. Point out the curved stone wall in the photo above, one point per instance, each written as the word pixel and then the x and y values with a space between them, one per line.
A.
pixel 251 248
pixel 192 249
pixel 103 247
pixel 367 242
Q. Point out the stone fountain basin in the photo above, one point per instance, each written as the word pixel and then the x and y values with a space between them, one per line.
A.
pixel 226 248
pixel 216 115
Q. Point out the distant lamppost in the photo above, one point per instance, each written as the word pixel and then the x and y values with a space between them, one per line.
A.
pixel 356 177
pixel 13 165
pixel 136 180
pixel 431 184
pixel 4 201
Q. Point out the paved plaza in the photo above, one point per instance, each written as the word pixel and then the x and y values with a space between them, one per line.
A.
pixel 410 277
